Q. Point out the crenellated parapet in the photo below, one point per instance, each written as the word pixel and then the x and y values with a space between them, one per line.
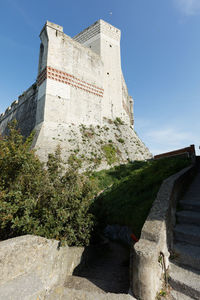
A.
pixel 17 103
pixel 23 110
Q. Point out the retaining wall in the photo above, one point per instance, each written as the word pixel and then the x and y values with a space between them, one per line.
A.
pixel 32 265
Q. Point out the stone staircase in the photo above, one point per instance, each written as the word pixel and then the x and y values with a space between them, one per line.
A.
pixel 184 268
pixel 103 276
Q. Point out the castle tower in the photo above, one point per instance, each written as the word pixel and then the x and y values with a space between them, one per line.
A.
pixel 80 79
pixel 104 39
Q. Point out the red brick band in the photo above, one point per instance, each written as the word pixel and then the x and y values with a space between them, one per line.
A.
pixel 69 79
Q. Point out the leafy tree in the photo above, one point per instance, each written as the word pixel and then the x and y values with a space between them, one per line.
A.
pixel 49 201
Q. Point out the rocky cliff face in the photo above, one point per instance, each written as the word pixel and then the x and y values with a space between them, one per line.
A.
pixel 98 147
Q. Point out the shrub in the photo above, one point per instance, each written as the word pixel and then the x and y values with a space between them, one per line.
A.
pixel 49 202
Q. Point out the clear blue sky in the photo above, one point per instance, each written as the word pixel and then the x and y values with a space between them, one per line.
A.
pixel 160 49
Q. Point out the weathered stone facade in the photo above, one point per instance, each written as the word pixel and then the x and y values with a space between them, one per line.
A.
pixel 79 83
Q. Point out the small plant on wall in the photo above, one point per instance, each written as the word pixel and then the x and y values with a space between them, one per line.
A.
pixel 110 153
pixel 118 121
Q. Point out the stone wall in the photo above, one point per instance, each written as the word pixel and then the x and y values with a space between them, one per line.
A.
pixel 88 143
pixel 23 110
pixel 157 238
pixel 32 265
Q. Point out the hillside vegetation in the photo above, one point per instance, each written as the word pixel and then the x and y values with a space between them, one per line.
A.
pixel 129 191
pixel 58 203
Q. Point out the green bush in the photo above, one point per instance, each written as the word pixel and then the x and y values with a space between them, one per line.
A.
pixel 49 202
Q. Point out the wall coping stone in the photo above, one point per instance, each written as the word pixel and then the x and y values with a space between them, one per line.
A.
pixel 29 257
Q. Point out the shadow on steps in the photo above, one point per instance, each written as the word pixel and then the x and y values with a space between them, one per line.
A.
pixel 104 269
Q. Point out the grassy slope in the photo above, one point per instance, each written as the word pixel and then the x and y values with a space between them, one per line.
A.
pixel 134 188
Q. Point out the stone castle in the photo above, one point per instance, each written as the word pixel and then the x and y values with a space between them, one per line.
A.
pixel 80 99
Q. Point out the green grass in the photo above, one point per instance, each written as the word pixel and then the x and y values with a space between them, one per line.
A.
pixel 129 191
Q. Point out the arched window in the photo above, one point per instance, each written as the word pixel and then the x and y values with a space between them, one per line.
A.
pixel 40 58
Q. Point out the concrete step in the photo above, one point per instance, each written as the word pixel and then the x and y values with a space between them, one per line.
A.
pixel 95 284
pixel 194 188
pixel 188 217
pixel 185 281
pixel 179 296
pixel 187 255
pixel 107 268
pixel 63 293
pixel 190 205
pixel 187 233
pixel 81 283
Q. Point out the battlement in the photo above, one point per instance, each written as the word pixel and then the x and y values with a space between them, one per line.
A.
pixel 25 96
pixel 99 27
pixel 110 30
pixel 53 26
